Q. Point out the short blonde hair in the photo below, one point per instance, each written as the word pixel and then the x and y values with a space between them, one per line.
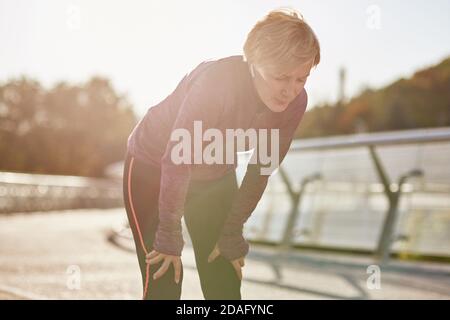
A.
pixel 281 41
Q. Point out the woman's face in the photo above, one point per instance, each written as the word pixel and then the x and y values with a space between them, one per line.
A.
pixel 277 90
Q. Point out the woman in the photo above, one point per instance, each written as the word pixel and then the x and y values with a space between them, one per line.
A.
pixel 264 89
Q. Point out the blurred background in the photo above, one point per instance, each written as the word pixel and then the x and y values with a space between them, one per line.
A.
pixel 363 195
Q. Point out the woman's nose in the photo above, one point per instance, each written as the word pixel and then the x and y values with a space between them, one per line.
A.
pixel 290 92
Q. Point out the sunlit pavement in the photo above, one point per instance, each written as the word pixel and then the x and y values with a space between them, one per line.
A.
pixel 41 255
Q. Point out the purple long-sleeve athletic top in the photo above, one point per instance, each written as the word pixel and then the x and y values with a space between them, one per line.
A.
pixel 222 95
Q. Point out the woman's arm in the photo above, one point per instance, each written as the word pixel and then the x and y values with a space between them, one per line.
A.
pixel 203 102
pixel 232 244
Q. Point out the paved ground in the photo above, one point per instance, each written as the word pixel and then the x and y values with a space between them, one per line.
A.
pixel 41 252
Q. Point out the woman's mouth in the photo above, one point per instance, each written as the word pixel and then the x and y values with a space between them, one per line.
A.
pixel 279 101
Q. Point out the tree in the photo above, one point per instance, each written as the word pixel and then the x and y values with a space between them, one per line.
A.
pixel 75 130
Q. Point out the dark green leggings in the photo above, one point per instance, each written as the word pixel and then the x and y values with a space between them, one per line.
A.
pixel 206 208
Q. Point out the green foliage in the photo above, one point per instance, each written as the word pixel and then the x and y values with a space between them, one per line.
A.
pixel 70 130
pixel 423 101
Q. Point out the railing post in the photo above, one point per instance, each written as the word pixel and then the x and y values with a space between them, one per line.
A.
pixel 295 204
pixel 386 238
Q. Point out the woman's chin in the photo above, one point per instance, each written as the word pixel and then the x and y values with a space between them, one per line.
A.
pixel 277 107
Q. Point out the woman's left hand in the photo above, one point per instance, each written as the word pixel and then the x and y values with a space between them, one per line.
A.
pixel 237 263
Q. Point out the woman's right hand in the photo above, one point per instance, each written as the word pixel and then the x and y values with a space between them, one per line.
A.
pixel 237 264
pixel 155 257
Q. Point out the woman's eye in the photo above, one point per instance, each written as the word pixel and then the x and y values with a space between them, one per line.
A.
pixel 283 78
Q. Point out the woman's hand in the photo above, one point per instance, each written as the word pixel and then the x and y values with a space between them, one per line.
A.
pixel 155 257
pixel 237 263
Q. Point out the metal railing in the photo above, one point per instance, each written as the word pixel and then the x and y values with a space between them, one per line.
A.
pixel 20 192
pixel 394 173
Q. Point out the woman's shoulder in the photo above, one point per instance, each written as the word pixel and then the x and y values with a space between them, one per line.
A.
pixel 220 76
pixel 229 67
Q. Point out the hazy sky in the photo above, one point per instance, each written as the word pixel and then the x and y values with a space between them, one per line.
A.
pixel 145 47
